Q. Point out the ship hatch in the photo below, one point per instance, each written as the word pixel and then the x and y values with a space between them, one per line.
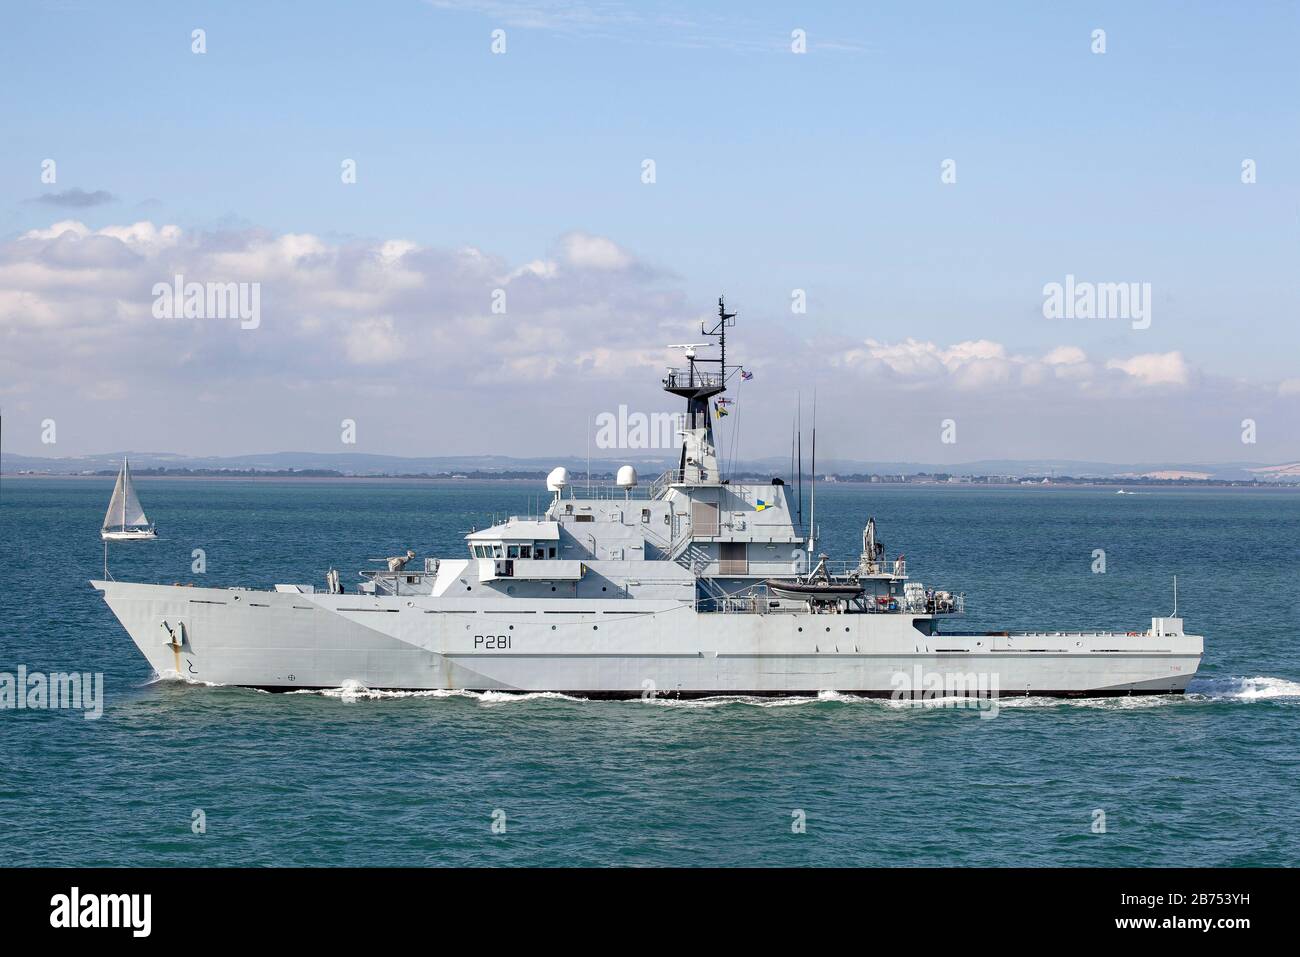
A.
pixel 704 519
pixel 734 560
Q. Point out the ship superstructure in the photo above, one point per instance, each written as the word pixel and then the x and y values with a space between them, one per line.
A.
pixel 688 585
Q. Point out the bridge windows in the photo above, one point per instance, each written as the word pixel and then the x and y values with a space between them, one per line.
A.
pixel 533 550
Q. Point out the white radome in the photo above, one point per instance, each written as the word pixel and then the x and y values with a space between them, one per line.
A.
pixel 558 479
pixel 626 477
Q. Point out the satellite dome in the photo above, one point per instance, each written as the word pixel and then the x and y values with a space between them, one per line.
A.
pixel 558 479
pixel 626 477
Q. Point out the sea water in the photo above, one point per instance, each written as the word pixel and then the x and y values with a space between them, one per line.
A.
pixel 183 774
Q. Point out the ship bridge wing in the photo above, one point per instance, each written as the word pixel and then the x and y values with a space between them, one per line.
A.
pixel 517 530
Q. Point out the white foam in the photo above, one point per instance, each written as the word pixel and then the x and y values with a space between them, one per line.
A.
pixel 169 677
pixel 352 690
pixel 719 701
pixel 510 697
pixel 1135 702
pixel 753 701
pixel 1236 688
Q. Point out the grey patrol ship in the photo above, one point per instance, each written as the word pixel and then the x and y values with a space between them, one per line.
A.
pixel 686 586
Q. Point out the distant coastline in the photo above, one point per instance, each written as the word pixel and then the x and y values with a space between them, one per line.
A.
pixel 489 467
pixel 919 480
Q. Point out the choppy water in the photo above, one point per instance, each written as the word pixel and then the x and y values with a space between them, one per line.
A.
pixel 356 777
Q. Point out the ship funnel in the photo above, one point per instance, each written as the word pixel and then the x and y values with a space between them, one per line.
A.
pixel 626 477
pixel 558 479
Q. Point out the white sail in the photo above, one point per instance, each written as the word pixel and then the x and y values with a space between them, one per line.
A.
pixel 124 509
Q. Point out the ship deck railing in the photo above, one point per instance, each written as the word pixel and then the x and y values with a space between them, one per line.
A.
pixel 581 490
pixel 692 379
pixel 766 605
pixel 881 568
pixel 413 577
pixel 663 481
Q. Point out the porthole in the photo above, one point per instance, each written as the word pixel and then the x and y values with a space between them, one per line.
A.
pixel 552 627
pixel 595 627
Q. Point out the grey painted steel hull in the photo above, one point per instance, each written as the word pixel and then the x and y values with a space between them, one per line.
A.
pixel 611 648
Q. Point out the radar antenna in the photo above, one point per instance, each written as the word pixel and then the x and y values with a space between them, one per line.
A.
pixel 697 386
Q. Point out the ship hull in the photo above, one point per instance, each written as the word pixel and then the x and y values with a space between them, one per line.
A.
pixel 617 648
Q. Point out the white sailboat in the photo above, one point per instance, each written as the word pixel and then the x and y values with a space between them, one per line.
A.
pixel 125 520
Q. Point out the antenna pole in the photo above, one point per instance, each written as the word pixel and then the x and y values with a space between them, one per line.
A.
pixel 812 518
pixel 1175 614
pixel 722 342
pixel 799 475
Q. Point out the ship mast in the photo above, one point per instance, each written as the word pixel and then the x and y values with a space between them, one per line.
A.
pixel 697 385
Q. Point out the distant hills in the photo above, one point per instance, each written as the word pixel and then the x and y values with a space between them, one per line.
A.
pixel 650 465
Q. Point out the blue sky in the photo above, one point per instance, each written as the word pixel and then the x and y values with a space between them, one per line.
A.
pixel 774 172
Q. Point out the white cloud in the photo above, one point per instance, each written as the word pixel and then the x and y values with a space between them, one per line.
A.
pixel 681 25
pixel 584 251
pixel 1065 355
pixel 358 329
pixel 325 307
pixel 373 342
pixel 144 237
pixel 912 358
pixel 979 365
pixel 1154 368
pixel 58 229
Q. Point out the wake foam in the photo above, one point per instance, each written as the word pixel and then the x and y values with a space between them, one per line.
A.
pixel 510 697
pixel 356 691
pixel 175 677
pixel 351 691
pixel 1125 702
pixel 752 701
pixel 1234 688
